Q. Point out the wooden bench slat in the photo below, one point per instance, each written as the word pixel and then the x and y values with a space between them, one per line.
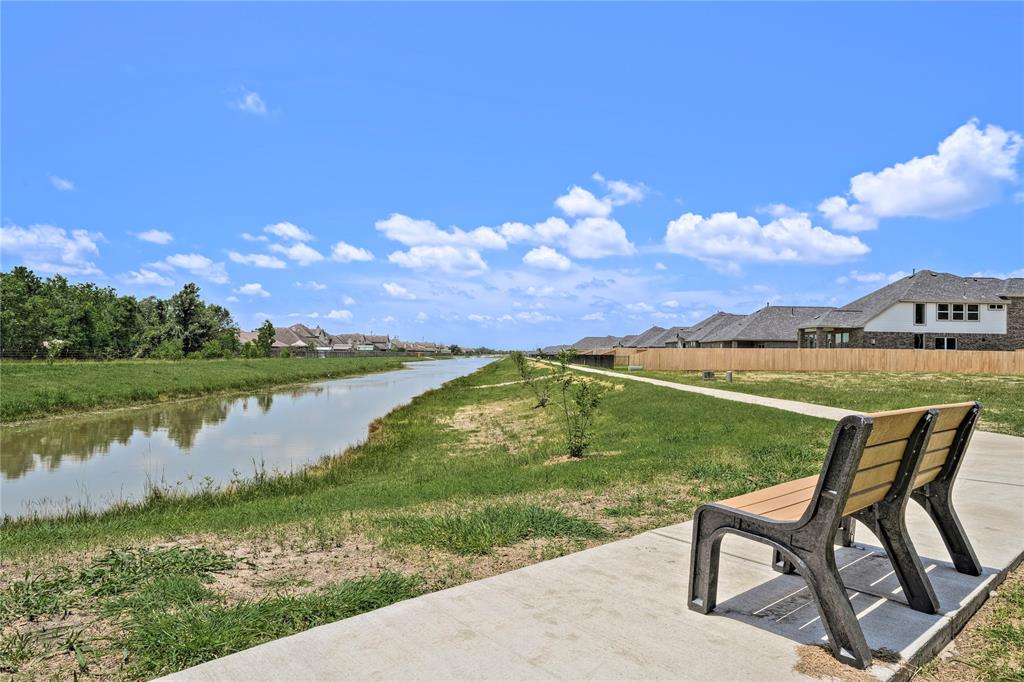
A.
pixel 865 498
pixel 742 501
pixel 951 415
pixel 790 513
pixel 941 439
pixel 767 506
pixel 894 425
pixel 883 454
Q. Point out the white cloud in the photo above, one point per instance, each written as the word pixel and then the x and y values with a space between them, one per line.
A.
pixel 387 318
pixel 593 317
pixel 725 239
pixel 551 231
pixel 640 307
pixel 414 232
pixel 258 260
pixel 343 315
pixel 286 230
pixel 155 237
pixel 195 263
pixel 303 254
pixel 146 277
pixel 597 238
pixel 671 303
pixel 311 284
pixel 62 184
pixel 621 192
pixel 396 290
pixel 871 277
pixel 448 259
pixel 311 316
pixel 422 317
pixel 581 202
pixel 970 171
pixel 253 289
pixel 50 249
pixel 251 102
pixel 534 317
pixel 254 237
pixel 547 258
pixel 660 266
pixel 231 299
pixel 348 300
pixel 1019 272
pixel 346 253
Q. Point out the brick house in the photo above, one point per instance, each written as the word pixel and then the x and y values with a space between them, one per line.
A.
pixel 933 310
pixel 774 326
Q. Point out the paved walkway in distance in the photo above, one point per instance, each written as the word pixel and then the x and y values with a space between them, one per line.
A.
pixel 618 611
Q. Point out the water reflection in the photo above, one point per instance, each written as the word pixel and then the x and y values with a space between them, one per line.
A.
pixel 96 460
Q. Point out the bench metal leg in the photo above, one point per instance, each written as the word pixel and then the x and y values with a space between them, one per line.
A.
pixel 891 528
pixel 704 559
pixel 937 501
pixel 844 538
pixel 837 614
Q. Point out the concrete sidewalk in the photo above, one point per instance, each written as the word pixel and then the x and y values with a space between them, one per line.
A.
pixel 618 611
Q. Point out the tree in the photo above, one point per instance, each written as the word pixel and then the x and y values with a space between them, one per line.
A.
pixel 537 383
pixel 455 348
pixel 580 399
pixel 265 339
pixel 186 314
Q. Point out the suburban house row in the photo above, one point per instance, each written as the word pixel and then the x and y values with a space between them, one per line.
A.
pixel 925 310
pixel 300 337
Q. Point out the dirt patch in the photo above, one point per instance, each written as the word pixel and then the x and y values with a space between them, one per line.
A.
pixel 818 661
pixel 512 425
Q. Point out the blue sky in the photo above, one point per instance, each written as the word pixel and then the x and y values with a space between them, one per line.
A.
pixel 510 174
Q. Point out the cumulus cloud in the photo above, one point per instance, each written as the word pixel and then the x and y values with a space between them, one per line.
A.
pixel 155 237
pixel 311 284
pixel 346 253
pixel 547 258
pixel 313 315
pixel 250 102
pixel 343 315
pixel 534 317
pixel 725 239
pixel 871 277
pixel 422 317
pixel 639 307
pixel 671 303
pixel 971 170
pixel 598 238
pixel 416 232
pixel 551 231
pixel 62 184
pixel 286 230
pixel 448 259
pixel 582 202
pixel 254 237
pixel 197 264
pixel 52 249
pixel 253 289
pixel 301 253
pixel 660 266
pixel 143 276
pixel 396 290
pixel 621 192
pixel 231 299
pixel 258 260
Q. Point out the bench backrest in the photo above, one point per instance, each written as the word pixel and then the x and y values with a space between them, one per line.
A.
pixel 890 441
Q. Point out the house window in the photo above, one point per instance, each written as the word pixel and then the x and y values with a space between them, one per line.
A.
pixel 919 313
pixel 973 312
pixel 957 311
pixel 918 341
pixel 945 343
pixel 842 339
pixel 942 311
pixel 995 306
pixel 809 339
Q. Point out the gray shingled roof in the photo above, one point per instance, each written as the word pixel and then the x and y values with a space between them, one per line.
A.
pixel 643 339
pixel 925 286
pixel 771 323
pixel 670 335
pixel 592 342
pixel 709 325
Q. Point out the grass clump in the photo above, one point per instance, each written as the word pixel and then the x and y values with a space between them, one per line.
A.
pixel 479 532
pixel 162 642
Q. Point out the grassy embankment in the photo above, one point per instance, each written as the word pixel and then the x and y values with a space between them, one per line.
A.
pixel 464 482
pixel 35 389
pixel 1001 396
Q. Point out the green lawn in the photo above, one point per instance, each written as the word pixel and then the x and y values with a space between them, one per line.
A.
pixel 465 481
pixel 38 389
pixel 1002 397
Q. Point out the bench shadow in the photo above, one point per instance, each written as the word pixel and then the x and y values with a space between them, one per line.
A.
pixel 783 605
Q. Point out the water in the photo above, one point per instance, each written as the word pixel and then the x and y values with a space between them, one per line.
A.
pixel 100 459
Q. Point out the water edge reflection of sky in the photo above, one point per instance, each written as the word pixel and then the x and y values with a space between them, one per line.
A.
pixel 99 459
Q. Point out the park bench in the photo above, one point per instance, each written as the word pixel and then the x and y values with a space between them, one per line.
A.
pixel 875 464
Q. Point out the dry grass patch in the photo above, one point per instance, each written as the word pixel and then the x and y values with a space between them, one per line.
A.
pixel 512 425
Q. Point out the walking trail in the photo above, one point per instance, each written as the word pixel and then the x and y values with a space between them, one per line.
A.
pixel 618 611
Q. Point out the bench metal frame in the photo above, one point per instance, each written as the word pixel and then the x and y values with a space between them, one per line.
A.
pixel 807 543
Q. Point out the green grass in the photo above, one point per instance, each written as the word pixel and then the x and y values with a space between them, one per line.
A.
pixel 412 458
pixel 35 389
pixel 479 532
pixel 1002 404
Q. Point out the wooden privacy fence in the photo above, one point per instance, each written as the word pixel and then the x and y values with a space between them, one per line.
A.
pixel 820 359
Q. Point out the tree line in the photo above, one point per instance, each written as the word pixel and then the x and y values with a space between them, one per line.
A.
pixel 54 318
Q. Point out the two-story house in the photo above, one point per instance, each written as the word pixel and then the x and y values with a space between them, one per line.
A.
pixel 933 310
